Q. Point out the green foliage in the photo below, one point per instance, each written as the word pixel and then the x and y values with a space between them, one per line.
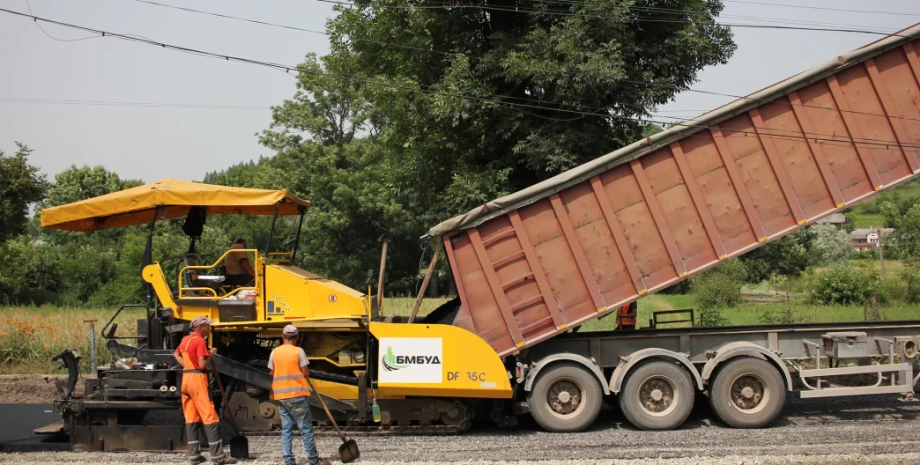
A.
pixel 790 256
pixel 910 276
pixel 787 314
pixel 21 185
pixel 80 183
pixel 832 245
pixel 906 237
pixel 870 212
pixel 441 137
pixel 842 284
pixel 889 291
pixel 718 288
pixel 464 143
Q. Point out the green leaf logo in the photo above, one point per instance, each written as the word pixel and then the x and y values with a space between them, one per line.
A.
pixel 389 361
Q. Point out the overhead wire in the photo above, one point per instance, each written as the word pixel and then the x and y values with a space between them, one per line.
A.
pixel 512 105
pixel 51 36
pixel 570 2
pixel 530 10
pixel 133 104
pixel 283 26
pixel 574 2
pixel 802 105
pixel 838 10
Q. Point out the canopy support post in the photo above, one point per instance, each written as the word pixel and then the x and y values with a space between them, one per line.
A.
pixel 297 239
pixel 148 259
pixel 272 231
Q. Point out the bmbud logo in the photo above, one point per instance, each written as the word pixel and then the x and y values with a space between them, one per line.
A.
pixel 398 362
pixel 411 360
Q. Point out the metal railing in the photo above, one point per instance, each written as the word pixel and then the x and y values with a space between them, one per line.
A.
pixel 654 321
pixel 213 293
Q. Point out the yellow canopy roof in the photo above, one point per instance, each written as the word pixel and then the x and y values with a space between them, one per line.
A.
pixel 136 205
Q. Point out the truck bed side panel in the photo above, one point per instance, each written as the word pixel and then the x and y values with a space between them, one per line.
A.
pixel 644 224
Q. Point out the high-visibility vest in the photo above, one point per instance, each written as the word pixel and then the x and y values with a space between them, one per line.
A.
pixel 626 315
pixel 288 381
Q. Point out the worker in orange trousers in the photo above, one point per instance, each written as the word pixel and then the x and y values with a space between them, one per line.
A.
pixel 197 408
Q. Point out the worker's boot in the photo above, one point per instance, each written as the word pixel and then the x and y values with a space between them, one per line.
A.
pixel 216 445
pixel 193 433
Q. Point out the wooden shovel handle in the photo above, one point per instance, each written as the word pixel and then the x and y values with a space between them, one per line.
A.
pixel 320 397
pixel 223 397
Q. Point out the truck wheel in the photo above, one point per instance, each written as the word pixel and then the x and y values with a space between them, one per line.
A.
pixel 657 396
pixel 747 393
pixel 565 398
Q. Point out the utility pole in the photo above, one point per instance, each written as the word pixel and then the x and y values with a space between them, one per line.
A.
pixel 881 254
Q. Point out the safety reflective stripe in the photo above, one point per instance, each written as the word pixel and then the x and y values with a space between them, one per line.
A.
pixel 293 389
pixel 288 380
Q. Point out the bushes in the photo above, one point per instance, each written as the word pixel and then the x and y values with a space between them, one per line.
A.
pixel 910 277
pixel 842 284
pixel 846 284
pixel 717 288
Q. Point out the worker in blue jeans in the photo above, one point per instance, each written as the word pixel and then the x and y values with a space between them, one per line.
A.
pixel 288 365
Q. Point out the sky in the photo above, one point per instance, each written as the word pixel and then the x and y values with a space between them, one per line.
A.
pixel 224 105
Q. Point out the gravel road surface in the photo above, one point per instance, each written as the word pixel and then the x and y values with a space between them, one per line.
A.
pixel 867 430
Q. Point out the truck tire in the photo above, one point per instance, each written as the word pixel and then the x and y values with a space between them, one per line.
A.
pixel 565 398
pixel 657 395
pixel 747 393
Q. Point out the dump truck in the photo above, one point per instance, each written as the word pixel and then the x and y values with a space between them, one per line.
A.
pixel 530 268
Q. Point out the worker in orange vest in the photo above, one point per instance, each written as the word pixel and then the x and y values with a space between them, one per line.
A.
pixel 197 408
pixel 288 365
pixel 626 316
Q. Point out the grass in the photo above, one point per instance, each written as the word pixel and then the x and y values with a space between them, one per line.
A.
pixel 403 305
pixel 867 220
pixel 31 336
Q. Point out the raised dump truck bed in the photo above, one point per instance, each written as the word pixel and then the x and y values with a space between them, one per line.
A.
pixel 584 243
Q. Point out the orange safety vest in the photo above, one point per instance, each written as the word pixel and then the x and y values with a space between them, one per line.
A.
pixel 626 315
pixel 288 381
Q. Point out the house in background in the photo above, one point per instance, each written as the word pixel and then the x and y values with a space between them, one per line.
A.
pixel 867 238
pixel 834 219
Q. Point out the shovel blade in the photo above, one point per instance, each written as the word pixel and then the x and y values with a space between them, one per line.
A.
pixel 348 451
pixel 239 447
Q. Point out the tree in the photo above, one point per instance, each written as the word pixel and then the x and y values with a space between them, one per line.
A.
pixel 21 185
pixel 906 236
pixel 80 183
pixel 418 114
pixel 788 256
pixel 473 103
pixel 832 245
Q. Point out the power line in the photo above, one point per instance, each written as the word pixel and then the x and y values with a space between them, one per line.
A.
pixel 531 10
pixel 441 6
pixel 511 105
pixel 574 2
pixel 841 10
pixel 817 107
pixel 132 104
pixel 283 26
pixel 51 36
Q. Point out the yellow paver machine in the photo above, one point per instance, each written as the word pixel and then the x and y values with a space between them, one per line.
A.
pixel 376 373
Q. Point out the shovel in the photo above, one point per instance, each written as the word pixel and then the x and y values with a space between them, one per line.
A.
pixel 348 451
pixel 239 445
